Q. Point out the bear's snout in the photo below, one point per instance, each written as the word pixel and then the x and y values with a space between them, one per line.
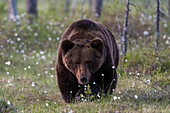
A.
pixel 83 79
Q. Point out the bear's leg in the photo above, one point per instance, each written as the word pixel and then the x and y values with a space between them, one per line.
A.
pixel 110 81
pixel 113 82
pixel 68 86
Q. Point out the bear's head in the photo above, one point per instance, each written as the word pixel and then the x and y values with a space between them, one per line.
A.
pixel 83 59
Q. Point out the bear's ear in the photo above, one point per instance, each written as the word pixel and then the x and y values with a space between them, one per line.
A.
pixel 97 43
pixel 66 45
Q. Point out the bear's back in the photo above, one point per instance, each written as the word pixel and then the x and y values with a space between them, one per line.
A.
pixel 87 30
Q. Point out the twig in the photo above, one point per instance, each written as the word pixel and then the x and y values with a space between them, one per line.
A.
pixel 134 6
pixel 158 85
pixel 163 12
pixel 151 86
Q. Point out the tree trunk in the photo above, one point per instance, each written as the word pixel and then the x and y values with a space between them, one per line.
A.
pixel 12 9
pixel 67 3
pixel 157 28
pixel 125 29
pixel 90 7
pixel 82 9
pixel 73 7
pixel 31 7
pixel 169 7
pixel 97 7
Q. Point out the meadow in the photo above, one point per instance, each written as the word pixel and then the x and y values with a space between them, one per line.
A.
pixel 28 54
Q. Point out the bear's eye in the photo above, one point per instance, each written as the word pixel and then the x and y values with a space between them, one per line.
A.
pixel 70 55
pixel 97 56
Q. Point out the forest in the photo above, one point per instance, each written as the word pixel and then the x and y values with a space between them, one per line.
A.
pixel 30 34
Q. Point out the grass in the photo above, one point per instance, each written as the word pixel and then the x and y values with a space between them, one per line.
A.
pixel 28 56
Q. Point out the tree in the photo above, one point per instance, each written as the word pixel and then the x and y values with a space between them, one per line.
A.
pixel 169 7
pixel 157 28
pixel 67 3
pixel 82 9
pixel 73 7
pixel 90 7
pixel 12 9
pixel 31 7
pixel 125 28
pixel 97 7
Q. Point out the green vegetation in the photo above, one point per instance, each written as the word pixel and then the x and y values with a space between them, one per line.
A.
pixel 28 56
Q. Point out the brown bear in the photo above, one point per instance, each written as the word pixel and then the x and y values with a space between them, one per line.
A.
pixel 87 54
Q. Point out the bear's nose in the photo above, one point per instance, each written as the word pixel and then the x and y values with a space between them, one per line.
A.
pixel 83 79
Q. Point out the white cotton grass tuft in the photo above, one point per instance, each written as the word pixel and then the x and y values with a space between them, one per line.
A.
pixel 35 34
pixel 46 104
pixel 164 36
pixel 37 63
pixel 33 84
pixel 136 96
pixel 148 81
pixel 115 98
pixel 29 67
pixel 165 25
pixel 18 39
pixel 146 33
pixel 38 74
pixel 16 34
pixel 46 72
pixel 125 60
pixel 8 63
pixel 8 102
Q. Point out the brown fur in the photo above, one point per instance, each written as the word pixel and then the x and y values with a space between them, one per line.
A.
pixel 87 49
